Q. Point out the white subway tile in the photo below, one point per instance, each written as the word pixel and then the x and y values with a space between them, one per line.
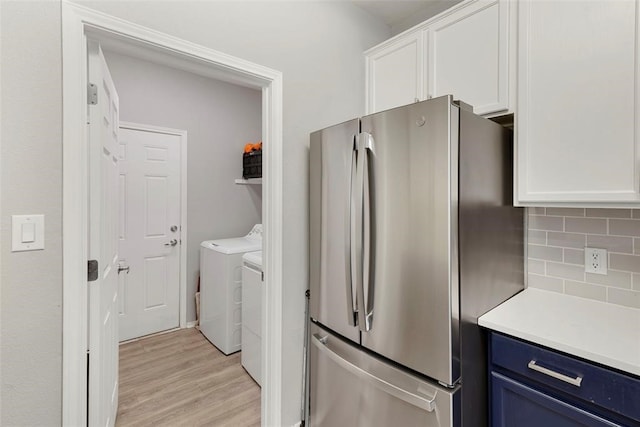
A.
pixel 565 211
pixel 535 266
pixel 556 238
pixel 624 227
pixel 566 240
pixel 574 256
pixel 585 290
pixel 625 262
pixel 547 283
pixel 544 253
pixel 617 279
pixel 586 225
pixel 551 223
pixel 565 271
pixel 609 213
pixel 536 211
pixel 537 237
pixel 623 297
pixel 611 243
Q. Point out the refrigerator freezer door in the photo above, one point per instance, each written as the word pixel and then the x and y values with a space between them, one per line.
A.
pixel 352 388
pixel 331 181
pixel 413 283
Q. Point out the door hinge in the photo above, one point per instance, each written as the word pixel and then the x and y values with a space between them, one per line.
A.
pixel 92 94
pixel 92 270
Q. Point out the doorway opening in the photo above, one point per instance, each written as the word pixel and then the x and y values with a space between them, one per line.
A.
pixel 160 235
pixel 80 24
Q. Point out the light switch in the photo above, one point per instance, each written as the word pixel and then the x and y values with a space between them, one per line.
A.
pixel 27 232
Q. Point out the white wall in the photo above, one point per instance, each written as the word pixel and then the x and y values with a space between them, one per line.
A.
pixel 429 11
pixel 219 118
pixel 317 45
pixel 31 163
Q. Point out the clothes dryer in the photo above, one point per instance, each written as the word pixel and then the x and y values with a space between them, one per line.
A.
pixel 252 306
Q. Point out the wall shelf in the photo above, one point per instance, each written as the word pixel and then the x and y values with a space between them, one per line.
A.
pixel 250 181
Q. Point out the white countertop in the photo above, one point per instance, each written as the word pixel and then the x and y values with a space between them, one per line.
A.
pixel 604 333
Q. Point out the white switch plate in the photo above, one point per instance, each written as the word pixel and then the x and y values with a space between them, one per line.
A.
pixel 595 260
pixel 23 236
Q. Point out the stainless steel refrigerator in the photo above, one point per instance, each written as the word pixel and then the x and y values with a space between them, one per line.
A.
pixel 413 235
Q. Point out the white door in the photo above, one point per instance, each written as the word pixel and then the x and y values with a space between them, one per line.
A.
pixel 149 231
pixel 103 244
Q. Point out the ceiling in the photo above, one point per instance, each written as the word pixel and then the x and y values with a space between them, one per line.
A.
pixel 393 13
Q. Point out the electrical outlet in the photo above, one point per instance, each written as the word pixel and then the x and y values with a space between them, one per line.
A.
pixel 595 260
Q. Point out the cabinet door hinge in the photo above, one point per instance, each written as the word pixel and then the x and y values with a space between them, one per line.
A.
pixel 92 94
pixel 92 270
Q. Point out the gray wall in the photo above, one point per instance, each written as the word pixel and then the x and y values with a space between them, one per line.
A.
pixel 317 45
pixel 219 118
pixel 31 183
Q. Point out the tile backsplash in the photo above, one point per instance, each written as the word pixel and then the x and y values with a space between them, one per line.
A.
pixel 556 241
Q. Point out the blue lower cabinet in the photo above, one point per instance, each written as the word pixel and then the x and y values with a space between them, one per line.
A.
pixel 516 405
pixel 534 386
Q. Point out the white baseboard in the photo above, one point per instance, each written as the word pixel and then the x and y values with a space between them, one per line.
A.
pixel 189 325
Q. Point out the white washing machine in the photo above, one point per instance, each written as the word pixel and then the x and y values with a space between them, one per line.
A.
pixel 252 303
pixel 221 288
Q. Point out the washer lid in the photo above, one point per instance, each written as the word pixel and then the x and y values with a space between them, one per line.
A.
pixel 234 245
pixel 253 258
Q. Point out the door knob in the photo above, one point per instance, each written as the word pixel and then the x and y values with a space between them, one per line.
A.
pixel 123 268
pixel 173 242
pixel 174 228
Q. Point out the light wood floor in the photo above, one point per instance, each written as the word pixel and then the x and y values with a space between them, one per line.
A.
pixel 180 379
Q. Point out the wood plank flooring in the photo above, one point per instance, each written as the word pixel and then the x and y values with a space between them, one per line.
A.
pixel 180 379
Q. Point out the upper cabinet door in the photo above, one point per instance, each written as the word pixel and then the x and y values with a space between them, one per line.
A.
pixel 578 122
pixel 468 53
pixel 394 73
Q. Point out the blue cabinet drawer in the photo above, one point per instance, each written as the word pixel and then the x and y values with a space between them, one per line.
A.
pixel 592 384
pixel 515 404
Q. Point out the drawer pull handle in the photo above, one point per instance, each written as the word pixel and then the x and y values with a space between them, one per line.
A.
pixel 577 381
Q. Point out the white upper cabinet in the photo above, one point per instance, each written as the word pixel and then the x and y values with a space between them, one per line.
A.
pixel 468 53
pixel 578 113
pixel 465 51
pixel 394 73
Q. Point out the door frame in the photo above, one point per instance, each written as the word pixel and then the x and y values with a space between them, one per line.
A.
pixel 78 23
pixel 183 135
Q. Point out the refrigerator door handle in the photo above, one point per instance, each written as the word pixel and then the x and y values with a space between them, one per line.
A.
pixel 367 282
pixel 323 344
pixel 356 233
pixel 352 311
